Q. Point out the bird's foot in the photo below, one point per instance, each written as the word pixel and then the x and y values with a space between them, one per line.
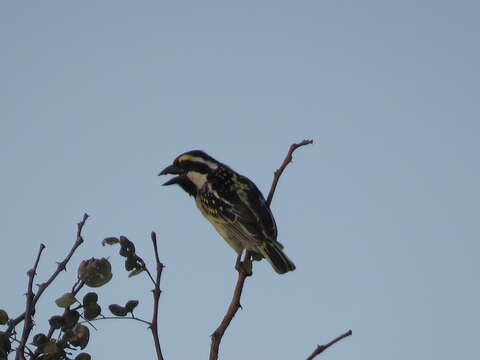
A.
pixel 243 267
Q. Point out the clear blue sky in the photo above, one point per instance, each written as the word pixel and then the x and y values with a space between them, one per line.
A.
pixel 380 214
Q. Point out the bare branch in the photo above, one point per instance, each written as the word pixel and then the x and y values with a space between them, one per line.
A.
pixel 29 308
pixel 156 298
pixel 232 310
pixel 247 264
pixel 60 267
pixel 322 348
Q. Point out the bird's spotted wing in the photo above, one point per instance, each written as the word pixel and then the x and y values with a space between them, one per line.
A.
pixel 248 212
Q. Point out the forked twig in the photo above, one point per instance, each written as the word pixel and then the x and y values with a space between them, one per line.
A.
pixel 242 275
pixel 32 298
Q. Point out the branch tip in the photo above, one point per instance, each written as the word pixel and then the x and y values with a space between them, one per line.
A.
pixel 286 161
pixel 321 348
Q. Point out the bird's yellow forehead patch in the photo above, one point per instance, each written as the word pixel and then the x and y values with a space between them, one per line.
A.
pixel 187 157
pixel 197 159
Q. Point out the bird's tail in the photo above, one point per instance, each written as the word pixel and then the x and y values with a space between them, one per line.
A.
pixel 273 252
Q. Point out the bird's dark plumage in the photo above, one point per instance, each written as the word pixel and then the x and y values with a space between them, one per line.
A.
pixel 233 205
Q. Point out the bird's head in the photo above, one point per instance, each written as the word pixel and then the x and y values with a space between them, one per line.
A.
pixel 192 169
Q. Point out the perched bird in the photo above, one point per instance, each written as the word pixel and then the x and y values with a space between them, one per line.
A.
pixel 233 205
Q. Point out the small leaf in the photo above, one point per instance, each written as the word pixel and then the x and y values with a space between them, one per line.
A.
pixel 62 343
pixel 136 272
pixel 56 321
pixel 130 263
pixel 3 317
pixel 130 305
pixel 79 336
pixel 117 310
pixel 5 345
pixel 65 300
pixel 127 247
pixel 39 339
pixel 90 298
pixel 135 263
pixel 71 318
pixel 91 311
pixel 52 350
pixel 110 241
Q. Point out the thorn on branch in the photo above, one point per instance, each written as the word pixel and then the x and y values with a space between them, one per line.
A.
pixel 62 266
pixel 321 348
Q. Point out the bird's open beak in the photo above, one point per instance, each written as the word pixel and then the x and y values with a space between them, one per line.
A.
pixel 173 171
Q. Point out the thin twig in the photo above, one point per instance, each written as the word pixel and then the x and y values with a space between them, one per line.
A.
pixel 156 298
pixel 149 275
pixel 77 287
pixel 60 267
pixel 29 308
pixel 242 275
pixel 232 310
pixel 279 171
pixel 321 348
pixel 117 318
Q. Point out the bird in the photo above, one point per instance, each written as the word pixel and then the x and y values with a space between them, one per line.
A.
pixel 233 204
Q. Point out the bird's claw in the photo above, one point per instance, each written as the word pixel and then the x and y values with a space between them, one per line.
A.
pixel 244 267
